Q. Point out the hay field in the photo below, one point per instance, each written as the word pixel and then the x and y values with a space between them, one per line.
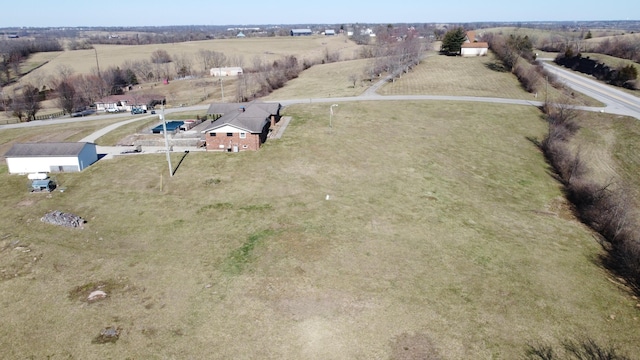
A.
pixel 443 231
pixel 268 49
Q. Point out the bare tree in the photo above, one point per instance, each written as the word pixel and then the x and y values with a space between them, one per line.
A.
pixel 64 72
pixel 160 57
pixel 182 65
pixel 353 78
pixel 31 98
pixel 88 88
pixel 236 60
pixel 204 57
pixel 218 59
pixel 66 96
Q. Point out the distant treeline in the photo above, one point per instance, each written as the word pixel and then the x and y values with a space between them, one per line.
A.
pixel 14 51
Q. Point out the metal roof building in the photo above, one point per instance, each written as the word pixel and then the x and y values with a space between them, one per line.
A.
pixel 301 32
pixel 25 158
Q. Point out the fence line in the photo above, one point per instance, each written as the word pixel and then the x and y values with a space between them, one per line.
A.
pixel 50 116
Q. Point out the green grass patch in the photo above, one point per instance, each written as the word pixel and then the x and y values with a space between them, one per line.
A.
pixel 242 256
pixel 214 207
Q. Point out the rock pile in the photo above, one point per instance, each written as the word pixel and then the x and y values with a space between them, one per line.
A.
pixel 56 217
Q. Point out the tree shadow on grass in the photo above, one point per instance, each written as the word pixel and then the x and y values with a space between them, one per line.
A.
pixel 496 66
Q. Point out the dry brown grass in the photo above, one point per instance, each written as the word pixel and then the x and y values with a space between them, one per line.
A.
pixel 325 80
pixel 267 49
pixel 441 232
pixel 458 76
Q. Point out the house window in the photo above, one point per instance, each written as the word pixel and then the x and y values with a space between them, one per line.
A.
pixel 229 134
pixel 243 135
pixel 212 134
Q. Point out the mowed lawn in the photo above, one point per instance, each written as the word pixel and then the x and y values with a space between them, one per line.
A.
pixel 405 226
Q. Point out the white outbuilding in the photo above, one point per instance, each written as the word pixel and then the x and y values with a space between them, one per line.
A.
pixel 29 158
pixel 226 71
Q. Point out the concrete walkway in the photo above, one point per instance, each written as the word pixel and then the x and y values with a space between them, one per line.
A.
pixel 280 128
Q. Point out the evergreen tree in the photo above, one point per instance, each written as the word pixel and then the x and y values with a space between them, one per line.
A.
pixel 452 41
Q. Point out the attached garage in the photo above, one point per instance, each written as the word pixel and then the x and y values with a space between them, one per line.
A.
pixel 26 158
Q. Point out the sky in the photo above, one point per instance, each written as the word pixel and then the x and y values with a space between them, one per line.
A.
pixel 73 13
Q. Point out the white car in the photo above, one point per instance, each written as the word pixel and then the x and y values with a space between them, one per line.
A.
pixel 113 110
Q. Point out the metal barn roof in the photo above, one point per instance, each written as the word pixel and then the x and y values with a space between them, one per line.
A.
pixel 46 149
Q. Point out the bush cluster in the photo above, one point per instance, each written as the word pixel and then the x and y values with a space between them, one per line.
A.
pixel 624 76
pixel 582 349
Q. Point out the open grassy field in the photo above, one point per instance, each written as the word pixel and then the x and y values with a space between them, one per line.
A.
pixel 267 49
pixel 473 76
pixel 407 227
pixel 325 80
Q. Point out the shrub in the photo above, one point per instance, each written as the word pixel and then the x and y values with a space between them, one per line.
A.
pixel 583 349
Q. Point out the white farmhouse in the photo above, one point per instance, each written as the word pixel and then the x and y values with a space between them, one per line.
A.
pixel 28 158
pixel 473 47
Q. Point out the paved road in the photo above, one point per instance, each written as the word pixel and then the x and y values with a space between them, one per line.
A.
pixel 616 101
pixel 99 117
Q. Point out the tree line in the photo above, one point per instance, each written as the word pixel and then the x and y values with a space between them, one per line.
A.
pixel 15 51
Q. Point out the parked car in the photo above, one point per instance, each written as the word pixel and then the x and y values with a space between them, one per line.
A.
pixel 113 110
pixel 138 111
pixel 80 113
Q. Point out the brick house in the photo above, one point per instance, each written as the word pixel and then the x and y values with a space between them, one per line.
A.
pixel 240 126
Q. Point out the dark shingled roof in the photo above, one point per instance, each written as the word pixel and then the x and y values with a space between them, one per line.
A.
pixel 45 149
pixel 251 117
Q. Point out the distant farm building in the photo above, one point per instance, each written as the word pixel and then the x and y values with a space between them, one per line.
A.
pixel 472 47
pixel 301 32
pixel 329 32
pixel 226 71
pixel 240 126
pixel 27 158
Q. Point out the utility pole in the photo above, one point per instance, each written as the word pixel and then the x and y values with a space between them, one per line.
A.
pixel 99 74
pixel 166 142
